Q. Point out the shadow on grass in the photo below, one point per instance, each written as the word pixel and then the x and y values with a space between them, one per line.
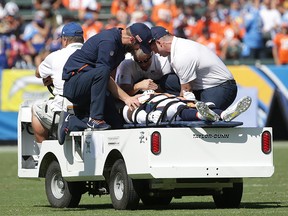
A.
pixel 80 207
pixel 263 205
pixel 211 205
pixel 177 206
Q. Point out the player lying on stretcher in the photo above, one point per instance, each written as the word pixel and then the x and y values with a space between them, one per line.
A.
pixel 156 107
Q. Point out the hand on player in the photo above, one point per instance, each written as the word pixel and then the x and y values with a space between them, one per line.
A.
pixel 132 102
pixel 147 84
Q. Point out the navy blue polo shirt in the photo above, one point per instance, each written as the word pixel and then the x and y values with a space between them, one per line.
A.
pixel 103 51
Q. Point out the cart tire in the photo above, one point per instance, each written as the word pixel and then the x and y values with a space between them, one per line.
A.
pixel 122 193
pixel 229 197
pixel 60 193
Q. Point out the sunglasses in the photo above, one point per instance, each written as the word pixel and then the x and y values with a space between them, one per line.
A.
pixel 152 41
pixel 144 61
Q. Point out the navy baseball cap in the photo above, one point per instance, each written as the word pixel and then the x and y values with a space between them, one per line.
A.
pixel 158 32
pixel 142 34
pixel 72 29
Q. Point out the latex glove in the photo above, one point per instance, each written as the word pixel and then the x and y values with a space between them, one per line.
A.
pixel 189 96
pixel 154 116
pixel 148 92
pixel 145 96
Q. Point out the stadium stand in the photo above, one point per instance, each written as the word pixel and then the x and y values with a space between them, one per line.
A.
pixel 27 11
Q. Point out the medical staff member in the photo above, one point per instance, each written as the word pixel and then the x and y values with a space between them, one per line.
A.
pixel 50 70
pixel 147 72
pixel 87 71
pixel 198 68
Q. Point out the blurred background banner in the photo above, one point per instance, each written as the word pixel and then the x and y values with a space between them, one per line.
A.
pixel 8 126
pixel 18 86
pixel 267 80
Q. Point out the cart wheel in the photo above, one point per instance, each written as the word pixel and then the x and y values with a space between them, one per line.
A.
pixel 60 193
pixel 229 197
pixel 122 193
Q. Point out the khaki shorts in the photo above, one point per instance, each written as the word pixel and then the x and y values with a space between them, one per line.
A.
pixel 42 110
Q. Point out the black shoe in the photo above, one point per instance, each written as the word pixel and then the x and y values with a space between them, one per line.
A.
pixel 63 127
pixel 98 124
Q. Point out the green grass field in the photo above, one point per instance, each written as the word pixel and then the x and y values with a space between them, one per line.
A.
pixel 261 196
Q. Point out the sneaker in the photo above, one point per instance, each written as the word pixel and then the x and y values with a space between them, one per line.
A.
pixel 206 114
pixel 232 112
pixel 63 127
pixel 98 124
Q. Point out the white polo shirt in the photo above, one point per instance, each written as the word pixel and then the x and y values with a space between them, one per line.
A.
pixel 129 72
pixel 192 61
pixel 53 66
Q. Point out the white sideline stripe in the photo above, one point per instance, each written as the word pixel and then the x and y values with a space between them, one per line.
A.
pixel 281 144
pixel 12 148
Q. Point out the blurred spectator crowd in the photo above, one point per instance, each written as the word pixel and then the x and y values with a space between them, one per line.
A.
pixel 233 29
